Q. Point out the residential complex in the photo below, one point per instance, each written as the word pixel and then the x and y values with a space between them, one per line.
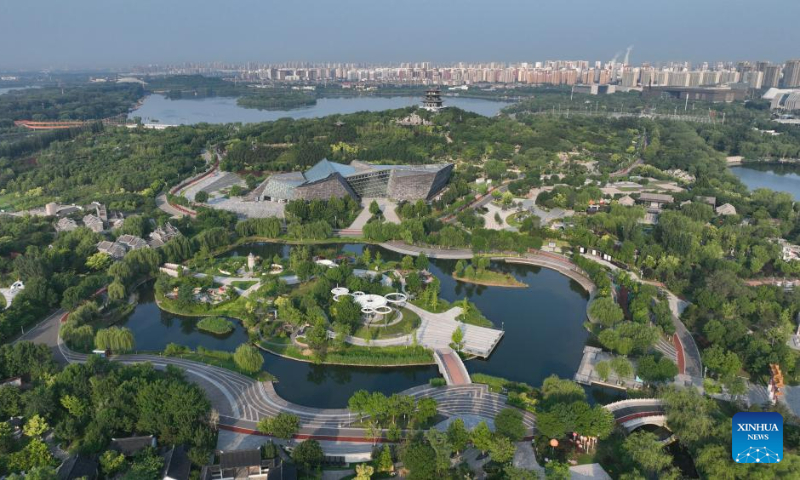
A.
pixel 759 74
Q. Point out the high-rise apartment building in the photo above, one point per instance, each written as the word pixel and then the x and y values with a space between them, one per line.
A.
pixel 791 74
pixel 772 76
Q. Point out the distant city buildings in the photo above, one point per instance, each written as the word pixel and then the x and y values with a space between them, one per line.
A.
pixel 756 75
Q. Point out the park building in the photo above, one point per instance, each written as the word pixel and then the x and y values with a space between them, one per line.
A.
pixel 358 180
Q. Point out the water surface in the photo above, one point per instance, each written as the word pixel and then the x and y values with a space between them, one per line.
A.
pixel 225 110
pixel 781 178
pixel 543 324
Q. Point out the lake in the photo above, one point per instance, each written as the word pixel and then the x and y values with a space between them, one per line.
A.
pixel 225 110
pixel 781 178
pixel 543 325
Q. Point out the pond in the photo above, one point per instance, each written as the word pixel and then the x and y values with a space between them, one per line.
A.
pixel 543 325
pixel 157 108
pixel 781 178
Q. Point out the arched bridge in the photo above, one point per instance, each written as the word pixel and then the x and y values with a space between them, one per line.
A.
pixel 634 413
pixel 451 367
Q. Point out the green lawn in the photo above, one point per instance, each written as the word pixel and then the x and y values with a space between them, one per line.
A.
pixel 408 324
pixel 244 285
pixel 492 278
pixel 356 355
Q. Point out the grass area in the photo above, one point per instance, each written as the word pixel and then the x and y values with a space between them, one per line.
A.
pixel 215 325
pixel 356 355
pixel 405 326
pixel 496 384
pixel 243 284
pixel 515 219
pixel 491 278
pixel 520 395
pixel 232 308
pixel 473 315
pixel 215 358
pixel 12 202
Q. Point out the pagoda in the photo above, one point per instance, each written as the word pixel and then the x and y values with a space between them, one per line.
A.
pixel 433 100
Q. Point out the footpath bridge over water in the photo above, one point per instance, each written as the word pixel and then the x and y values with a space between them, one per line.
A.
pixel 634 413
pixel 451 367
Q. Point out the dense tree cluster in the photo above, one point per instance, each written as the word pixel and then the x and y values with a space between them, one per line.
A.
pixel 88 404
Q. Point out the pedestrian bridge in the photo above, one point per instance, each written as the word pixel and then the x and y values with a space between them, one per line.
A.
pixel 634 413
pixel 451 366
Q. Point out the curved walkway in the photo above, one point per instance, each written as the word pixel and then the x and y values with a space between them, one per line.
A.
pixel 241 401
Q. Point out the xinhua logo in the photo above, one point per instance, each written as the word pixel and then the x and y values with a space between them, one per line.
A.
pixel 757 437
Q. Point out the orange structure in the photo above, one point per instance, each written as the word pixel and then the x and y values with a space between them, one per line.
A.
pixel 776 384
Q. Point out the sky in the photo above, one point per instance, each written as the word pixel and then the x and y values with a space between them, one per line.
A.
pixel 85 34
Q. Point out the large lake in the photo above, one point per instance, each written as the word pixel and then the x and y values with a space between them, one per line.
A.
pixel 225 110
pixel 543 325
pixel 781 178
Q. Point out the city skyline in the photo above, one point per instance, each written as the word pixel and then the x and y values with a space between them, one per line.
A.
pixel 117 34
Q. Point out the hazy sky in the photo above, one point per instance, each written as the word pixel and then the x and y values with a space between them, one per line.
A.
pixel 115 33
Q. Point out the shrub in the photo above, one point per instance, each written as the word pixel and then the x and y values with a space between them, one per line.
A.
pixel 248 358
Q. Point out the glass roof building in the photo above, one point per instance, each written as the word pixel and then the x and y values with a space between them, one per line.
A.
pixel 329 179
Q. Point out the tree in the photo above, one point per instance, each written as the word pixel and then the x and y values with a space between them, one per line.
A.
pixel 442 447
pixel 35 426
pixel 594 421
pixel 420 459
pixel 308 455
pixel 458 435
pixel 458 338
pixel 116 339
pixel 481 437
pixel 422 262
pixel 603 369
pixel 407 263
pixel 556 470
pixel 98 261
pixel 364 471
pixel 651 370
pixel 35 454
pixel 689 415
pixel 724 363
pixel 502 449
pixel 111 462
pixel 426 410
pixel 116 291
pixel 606 311
pixel 644 449
pixel 556 390
pixel 283 425
pixel 147 464
pixel 248 358
pixel 509 424
pixel 201 196
pixel 374 208
pixel 384 461
pixel 622 367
